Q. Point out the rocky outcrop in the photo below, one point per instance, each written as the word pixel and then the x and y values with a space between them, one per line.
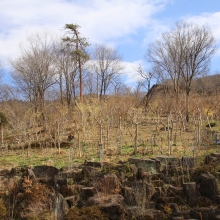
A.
pixel 152 188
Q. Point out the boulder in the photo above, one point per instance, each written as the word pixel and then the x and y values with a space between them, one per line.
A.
pixel 190 192
pixel 112 205
pixel 87 192
pixel 60 207
pixel 205 213
pixel 134 169
pixel 45 171
pixel 208 185
pixel 129 196
pixel 149 165
pixel 164 160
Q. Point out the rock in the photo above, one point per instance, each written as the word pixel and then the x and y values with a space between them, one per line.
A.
pixel 108 184
pixel 142 175
pixel 16 172
pixel 167 159
pixel 215 154
pixel 190 192
pixel 93 164
pixel 59 182
pixel 71 190
pixel 89 171
pixel 204 202
pixel 31 174
pixel 150 205
pixel 175 191
pixel 87 192
pixel 188 162
pixel 72 200
pixel 45 171
pixel 173 206
pixel 75 173
pixel 60 207
pixel 129 197
pixel 181 214
pixel 4 172
pixel 207 185
pixel 210 159
pixel 134 169
pixel 168 199
pixel 149 165
pixel 115 211
pixel 113 205
pixel 205 213
pixel 216 200
pixel 150 191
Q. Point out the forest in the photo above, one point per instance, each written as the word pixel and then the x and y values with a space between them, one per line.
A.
pixel 68 104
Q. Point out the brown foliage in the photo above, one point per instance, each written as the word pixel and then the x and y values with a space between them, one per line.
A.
pixel 27 198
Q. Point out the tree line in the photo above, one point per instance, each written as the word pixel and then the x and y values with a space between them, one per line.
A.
pixel 66 68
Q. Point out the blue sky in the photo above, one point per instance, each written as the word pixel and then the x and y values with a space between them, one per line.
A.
pixel 127 25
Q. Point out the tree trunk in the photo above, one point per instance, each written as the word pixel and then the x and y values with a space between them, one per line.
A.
pixel 58 137
pixel 135 138
pixel 2 136
pixel 187 105
pixel 79 147
pixel 169 136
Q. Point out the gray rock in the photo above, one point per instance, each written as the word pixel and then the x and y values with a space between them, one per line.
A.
pixel 151 166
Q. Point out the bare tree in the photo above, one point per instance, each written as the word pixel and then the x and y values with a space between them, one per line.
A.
pixel 147 76
pixel 107 66
pixel 199 46
pixel 33 69
pixel 90 82
pixel 183 54
pixel 67 70
pixel 137 90
pixel 78 53
pixel 118 86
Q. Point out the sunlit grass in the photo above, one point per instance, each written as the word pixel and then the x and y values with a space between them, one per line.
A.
pixel 67 157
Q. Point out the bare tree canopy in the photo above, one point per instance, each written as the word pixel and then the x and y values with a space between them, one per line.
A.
pixel 147 76
pixel 107 65
pixel 67 70
pixel 182 54
pixel 33 69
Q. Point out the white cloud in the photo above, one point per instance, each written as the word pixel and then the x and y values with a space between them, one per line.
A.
pixel 154 31
pixel 101 20
pixel 129 74
pixel 130 71
pixel 212 20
